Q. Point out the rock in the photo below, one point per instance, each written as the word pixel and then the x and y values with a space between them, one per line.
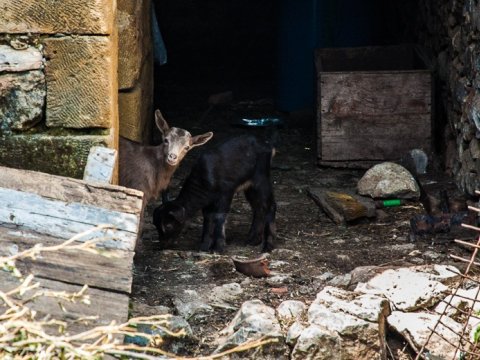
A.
pixel 174 324
pixel 411 288
pixel 344 325
pixel 23 99
pixel 420 160
pixel 226 293
pixel 388 180
pixel 325 276
pixel 279 279
pixel 286 254
pixel 12 60
pixel 416 327
pixel 463 299
pixel 362 274
pixel 317 343
pixel 142 309
pixel 290 310
pixel 275 264
pixel 294 333
pixel 401 247
pixel 189 304
pixel 342 281
pixel 253 321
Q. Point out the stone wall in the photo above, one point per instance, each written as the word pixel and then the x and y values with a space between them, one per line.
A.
pixel 450 29
pixel 59 86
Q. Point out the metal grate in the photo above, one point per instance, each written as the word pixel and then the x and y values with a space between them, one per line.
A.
pixel 466 348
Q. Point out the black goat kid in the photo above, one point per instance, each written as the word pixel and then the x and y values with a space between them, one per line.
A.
pixel 239 164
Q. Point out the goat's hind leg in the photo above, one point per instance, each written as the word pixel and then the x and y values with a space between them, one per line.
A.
pixel 219 216
pixel 270 231
pixel 257 229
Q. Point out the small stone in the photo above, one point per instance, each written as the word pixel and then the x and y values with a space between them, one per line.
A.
pixel 432 255
pixel 291 310
pixel 325 276
pixel 279 290
pixel 286 254
pixel 189 304
pixel 226 293
pixel 279 279
pixel 341 281
pixel 13 60
pixel 402 247
pixel 275 264
pixel 294 333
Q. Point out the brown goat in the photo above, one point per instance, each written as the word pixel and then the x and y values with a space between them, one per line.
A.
pixel 150 168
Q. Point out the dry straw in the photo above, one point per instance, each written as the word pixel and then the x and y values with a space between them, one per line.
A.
pixel 24 336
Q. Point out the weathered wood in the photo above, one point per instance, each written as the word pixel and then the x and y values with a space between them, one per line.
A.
pixel 113 271
pixel 100 165
pixel 342 207
pixel 69 190
pixel 374 105
pixel 105 306
pixel 65 220
pixel 374 116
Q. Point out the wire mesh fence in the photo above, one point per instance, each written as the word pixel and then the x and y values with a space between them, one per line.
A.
pixel 467 310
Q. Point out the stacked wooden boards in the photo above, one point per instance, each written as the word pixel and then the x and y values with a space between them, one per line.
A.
pixel 41 208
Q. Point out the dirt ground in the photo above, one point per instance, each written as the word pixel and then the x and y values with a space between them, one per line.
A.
pixel 310 245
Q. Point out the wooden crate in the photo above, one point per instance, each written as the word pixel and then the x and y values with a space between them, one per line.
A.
pixel 374 104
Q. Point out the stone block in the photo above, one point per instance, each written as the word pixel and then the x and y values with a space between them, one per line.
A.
pixel 22 98
pixel 135 107
pixel 50 17
pixel 134 40
pixel 81 82
pixel 64 155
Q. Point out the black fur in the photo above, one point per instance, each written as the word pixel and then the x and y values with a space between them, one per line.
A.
pixel 242 162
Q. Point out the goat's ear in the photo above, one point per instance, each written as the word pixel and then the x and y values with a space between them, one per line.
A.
pixel 200 139
pixel 161 122
pixel 178 214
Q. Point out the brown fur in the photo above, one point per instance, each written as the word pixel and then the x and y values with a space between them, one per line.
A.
pixel 150 168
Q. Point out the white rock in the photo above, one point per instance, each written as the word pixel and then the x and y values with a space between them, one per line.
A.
pixel 388 180
pixel 363 306
pixel 356 320
pixel 189 304
pixel 279 279
pixel 317 343
pixel 462 299
pixel 20 60
pixel 225 293
pixel 294 333
pixel 411 288
pixel 417 327
pixel 253 321
pixel 291 310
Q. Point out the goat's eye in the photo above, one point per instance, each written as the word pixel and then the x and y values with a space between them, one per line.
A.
pixel 187 148
pixel 165 141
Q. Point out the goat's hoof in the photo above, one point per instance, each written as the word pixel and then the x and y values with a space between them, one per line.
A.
pixel 219 247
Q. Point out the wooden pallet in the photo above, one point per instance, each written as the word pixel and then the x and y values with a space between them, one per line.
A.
pixel 41 208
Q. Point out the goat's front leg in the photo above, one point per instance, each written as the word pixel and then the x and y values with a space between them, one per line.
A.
pixel 207 231
pixel 219 217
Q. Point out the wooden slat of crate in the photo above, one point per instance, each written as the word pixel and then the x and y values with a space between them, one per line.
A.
pixel 105 306
pixel 75 267
pixel 373 115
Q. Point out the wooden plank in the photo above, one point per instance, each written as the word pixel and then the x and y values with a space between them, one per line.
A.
pixel 113 271
pixel 69 190
pixel 374 115
pixel 65 220
pixel 105 306
pixel 100 165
